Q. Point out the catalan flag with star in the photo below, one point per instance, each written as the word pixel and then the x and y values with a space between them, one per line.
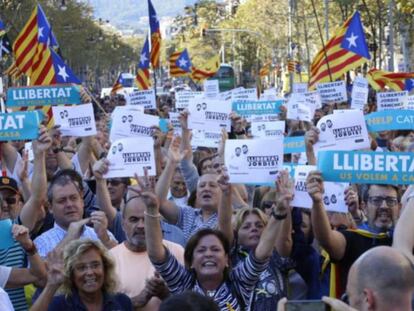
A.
pixel 346 50
pixel 180 64
pixel 142 78
pixel 155 36
pixel 397 81
pixel 209 69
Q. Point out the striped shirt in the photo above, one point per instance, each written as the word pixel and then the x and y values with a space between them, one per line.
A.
pixel 190 220
pixel 47 241
pixel 15 256
pixel 242 279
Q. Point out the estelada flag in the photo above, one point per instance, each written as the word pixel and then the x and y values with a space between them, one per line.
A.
pixel 142 78
pixel 180 63
pixel 397 81
pixel 346 50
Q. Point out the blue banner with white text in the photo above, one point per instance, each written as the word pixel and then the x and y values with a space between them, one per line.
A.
pixel 43 95
pixel 20 125
pixel 295 144
pixel 389 120
pixel 248 109
pixel 368 167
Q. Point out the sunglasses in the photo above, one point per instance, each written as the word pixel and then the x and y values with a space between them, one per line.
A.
pixel 10 200
pixel 114 182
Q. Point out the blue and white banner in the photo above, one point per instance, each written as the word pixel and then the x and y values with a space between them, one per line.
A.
pixel 294 144
pixel 19 125
pixel 248 109
pixel 389 120
pixel 43 95
pixel 367 167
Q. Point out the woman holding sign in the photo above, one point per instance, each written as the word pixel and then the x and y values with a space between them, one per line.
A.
pixel 207 267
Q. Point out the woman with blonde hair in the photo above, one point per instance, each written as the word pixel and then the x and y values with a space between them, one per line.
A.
pixel 86 277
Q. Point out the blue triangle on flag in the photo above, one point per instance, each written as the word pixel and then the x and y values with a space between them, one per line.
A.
pixel 409 84
pixel 63 74
pixel 183 61
pixel 354 38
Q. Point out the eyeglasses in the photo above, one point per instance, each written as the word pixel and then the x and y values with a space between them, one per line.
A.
pixel 267 204
pixel 114 182
pixel 84 267
pixel 10 200
pixel 377 201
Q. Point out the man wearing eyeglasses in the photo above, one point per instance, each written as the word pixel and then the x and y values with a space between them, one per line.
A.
pixel 11 198
pixel 345 246
pixel 118 188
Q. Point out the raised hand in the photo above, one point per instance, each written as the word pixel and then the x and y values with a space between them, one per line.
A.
pixel 184 119
pixel 284 192
pixel 156 287
pixel 75 228
pixel 311 136
pixel 55 267
pixel 174 153
pixel 351 200
pixel 314 186
pixel 100 168
pixel 223 180
pixel 21 235
pixel 43 142
pixel 100 223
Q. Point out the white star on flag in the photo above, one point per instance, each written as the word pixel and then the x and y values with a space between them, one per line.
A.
pixel 3 49
pixel 40 32
pixel 143 58
pixel 183 62
pixel 62 72
pixel 155 18
pixel 352 40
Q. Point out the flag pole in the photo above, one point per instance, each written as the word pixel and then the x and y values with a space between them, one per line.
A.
pixel 94 100
pixel 323 42
pixel 155 81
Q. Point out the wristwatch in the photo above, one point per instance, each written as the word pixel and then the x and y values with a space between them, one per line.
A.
pixel 278 216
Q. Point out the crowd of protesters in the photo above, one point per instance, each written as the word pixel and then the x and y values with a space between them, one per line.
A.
pixel 187 239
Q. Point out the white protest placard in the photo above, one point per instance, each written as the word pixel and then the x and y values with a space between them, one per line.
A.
pixel 211 88
pixel 313 100
pixel 226 96
pixel 301 197
pixel 298 109
pixel 241 94
pixel 28 148
pixel 253 160
pixel 205 138
pixel 267 129
pixel 144 98
pixel 269 95
pixel 332 92
pixel 334 197
pixel 78 121
pixel 127 122
pixel 300 87
pixel 344 130
pixel 392 100
pixel 128 156
pixel 359 93
pixel 410 102
pixel 183 98
pixel 175 122
pixel 209 114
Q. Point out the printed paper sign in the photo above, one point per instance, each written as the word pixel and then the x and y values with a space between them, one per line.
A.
pixel 267 129
pixel 394 168
pixel 244 95
pixel 175 122
pixel 334 197
pixel 343 131
pixel 254 160
pixel 269 95
pixel 209 114
pixel 298 108
pixel 128 122
pixel 43 95
pixel 332 92
pixel 144 98
pixel 392 100
pixel 225 95
pixel 390 120
pixel 313 100
pixel 294 144
pixel 359 93
pixel 300 87
pixel 29 149
pixel 253 108
pixel 183 98
pixel 205 138
pixel 410 102
pixel 19 125
pixel 127 156
pixel 290 167
pixel 301 197
pixel 211 88
pixel 78 121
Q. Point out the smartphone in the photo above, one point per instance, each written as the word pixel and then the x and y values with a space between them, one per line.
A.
pixel 306 305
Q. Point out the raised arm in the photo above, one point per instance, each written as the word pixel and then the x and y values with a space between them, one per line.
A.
pixel 169 209
pixel 103 199
pixel 22 276
pixel 85 153
pixel 225 211
pixel 30 212
pixel 8 155
pixel 311 137
pixel 332 241
pixel 404 231
pixel 153 233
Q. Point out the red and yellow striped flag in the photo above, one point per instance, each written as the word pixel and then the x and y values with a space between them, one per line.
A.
pixel 378 79
pixel 346 50
pixel 207 71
